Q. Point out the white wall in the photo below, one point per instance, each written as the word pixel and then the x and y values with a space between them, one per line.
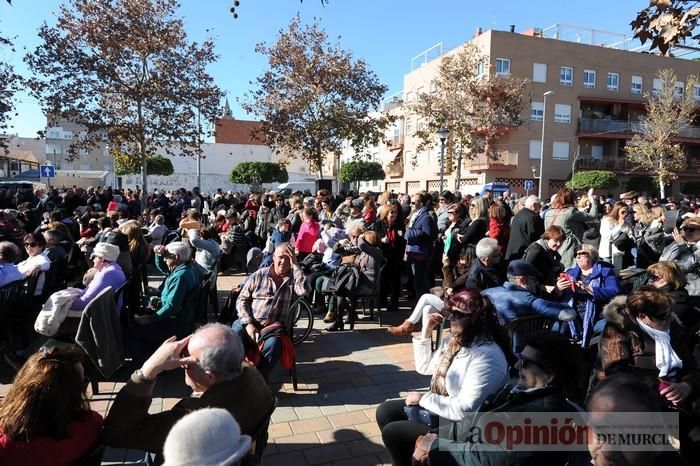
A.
pixel 215 167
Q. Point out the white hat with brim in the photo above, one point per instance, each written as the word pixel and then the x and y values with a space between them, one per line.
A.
pixel 206 437
pixel 106 251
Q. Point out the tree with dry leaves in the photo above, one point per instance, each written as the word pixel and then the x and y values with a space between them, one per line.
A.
pixel 10 84
pixel 126 72
pixel 667 23
pixel 668 112
pixel 477 107
pixel 315 95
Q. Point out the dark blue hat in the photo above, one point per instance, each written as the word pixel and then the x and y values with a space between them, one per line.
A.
pixel 521 268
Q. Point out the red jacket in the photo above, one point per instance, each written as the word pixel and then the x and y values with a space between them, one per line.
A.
pixel 45 451
pixel 499 231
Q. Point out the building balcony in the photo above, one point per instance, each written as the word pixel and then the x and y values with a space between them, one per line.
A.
pixel 503 160
pixel 617 128
pixel 395 169
pixel 622 165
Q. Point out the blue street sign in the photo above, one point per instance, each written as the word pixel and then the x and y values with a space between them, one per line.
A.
pixel 47 171
pixel 529 185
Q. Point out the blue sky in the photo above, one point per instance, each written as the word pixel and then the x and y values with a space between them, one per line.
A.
pixel 386 33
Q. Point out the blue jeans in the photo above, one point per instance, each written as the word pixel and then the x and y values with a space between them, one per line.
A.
pixel 271 351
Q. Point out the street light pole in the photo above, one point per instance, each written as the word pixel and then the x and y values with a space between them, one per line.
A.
pixel 544 121
pixel 443 133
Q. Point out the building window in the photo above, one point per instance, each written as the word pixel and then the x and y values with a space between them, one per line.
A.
pixel 680 88
pixel 409 128
pixel 502 66
pixel 68 135
pixel 597 152
pixel 613 81
pixel 657 86
pixel 637 84
pixel 420 90
pixel 54 149
pixel 433 87
pixel 420 124
pixel 539 72
pixel 560 150
pixel 537 111
pixel 58 164
pixel 397 136
pixel 589 78
pixel 696 91
pixel 562 113
pixel 480 69
pixel 535 148
pixel 409 97
pixel 566 76
pixel 408 156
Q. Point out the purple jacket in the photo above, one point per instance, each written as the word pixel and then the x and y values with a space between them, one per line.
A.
pixel 110 275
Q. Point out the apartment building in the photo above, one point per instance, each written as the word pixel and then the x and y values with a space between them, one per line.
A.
pixel 595 98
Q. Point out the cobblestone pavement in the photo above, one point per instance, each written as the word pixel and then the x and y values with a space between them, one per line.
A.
pixel 330 419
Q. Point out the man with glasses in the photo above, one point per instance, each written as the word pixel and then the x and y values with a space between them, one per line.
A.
pixel 517 297
pixel 420 238
pixel 212 362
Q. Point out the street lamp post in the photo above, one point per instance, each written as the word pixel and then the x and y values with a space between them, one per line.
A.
pixel 544 120
pixel 443 133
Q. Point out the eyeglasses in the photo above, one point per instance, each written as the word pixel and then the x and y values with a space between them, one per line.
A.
pixel 582 254
pixel 451 211
pixel 31 245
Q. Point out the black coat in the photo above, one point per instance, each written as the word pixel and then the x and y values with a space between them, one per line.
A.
pixel 545 260
pixel 527 227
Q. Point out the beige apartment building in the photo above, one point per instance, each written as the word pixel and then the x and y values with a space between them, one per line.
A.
pixel 597 96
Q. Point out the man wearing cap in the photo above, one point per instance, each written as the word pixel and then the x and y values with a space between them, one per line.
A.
pixel 517 298
pixel 104 258
pixel 212 358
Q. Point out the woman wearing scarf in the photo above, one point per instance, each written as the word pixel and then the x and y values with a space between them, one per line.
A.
pixel 466 368
pixel 642 336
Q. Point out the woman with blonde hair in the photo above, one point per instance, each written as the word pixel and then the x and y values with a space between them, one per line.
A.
pixel 45 419
pixel 667 277
pixel 478 225
pixel 643 218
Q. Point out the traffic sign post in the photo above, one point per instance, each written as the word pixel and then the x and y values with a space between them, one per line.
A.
pixel 529 186
pixel 47 171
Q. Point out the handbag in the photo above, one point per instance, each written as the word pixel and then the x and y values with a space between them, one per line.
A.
pixel 421 415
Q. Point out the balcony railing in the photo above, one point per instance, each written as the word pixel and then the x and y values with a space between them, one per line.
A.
pixel 627 128
pixel 587 162
pixel 395 169
pixel 503 160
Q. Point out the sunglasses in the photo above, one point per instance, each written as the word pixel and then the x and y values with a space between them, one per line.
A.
pixel 31 245
pixel 451 211
pixel 526 362
pixel 582 254
pixel 690 229
pixel 653 278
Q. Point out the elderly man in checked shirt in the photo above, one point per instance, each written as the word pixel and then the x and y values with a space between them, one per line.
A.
pixel 264 299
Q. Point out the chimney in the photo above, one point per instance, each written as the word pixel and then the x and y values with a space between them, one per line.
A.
pixel 512 28
pixel 478 32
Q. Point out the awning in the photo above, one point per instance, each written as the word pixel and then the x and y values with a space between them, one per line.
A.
pixel 391 155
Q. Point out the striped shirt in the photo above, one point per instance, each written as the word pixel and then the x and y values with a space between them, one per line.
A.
pixel 261 301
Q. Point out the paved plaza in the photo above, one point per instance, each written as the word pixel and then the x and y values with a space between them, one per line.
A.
pixel 330 419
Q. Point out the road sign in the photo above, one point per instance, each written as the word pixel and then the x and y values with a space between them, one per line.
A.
pixel 529 185
pixel 47 171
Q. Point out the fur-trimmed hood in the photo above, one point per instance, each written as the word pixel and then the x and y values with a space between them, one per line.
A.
pixel 615 312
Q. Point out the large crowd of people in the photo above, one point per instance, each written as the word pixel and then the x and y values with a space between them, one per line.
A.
pixel 615 285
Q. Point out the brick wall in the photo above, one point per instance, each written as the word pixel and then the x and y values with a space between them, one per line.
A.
pixel 230 131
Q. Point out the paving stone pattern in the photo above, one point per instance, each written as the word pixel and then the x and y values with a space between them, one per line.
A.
pixel 330 419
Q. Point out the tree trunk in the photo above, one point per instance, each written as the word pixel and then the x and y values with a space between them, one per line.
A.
pixel 142 156
pixel 458 178
pixel 319 159
pixel 662 188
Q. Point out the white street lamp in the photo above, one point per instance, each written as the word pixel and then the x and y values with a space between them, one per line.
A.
pixel 544 120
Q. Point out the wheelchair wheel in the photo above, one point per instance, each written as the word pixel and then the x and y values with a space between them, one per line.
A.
pixel 303 320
